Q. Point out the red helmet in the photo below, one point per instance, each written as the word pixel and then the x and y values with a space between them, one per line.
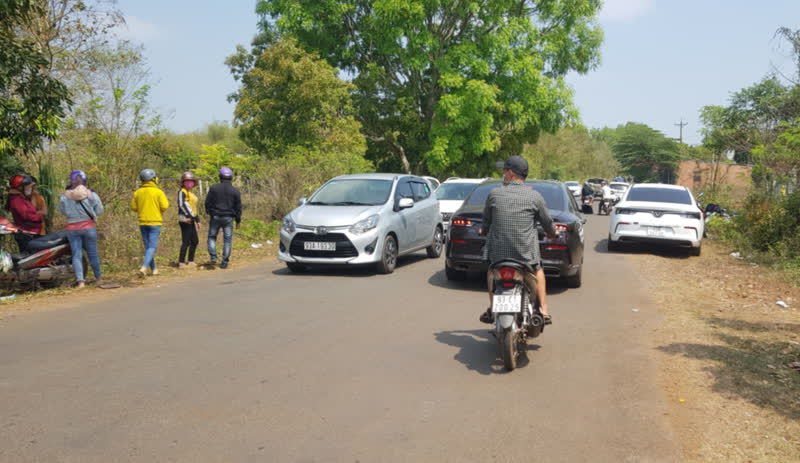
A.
pixel 20 181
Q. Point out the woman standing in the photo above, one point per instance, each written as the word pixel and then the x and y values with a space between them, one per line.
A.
pixel 188 220
pixel 150 203
pixel 81 206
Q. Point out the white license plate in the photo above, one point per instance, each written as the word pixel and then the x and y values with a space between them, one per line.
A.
pixel 657 232
pixel 319 246
pixel 506 303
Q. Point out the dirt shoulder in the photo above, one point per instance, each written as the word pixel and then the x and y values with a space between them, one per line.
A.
pixel 730 355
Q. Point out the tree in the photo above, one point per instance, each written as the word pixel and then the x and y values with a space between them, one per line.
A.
pixel 779 161
pixel 31 101
pixel 443 85
pixel 646 153
pixel 570 154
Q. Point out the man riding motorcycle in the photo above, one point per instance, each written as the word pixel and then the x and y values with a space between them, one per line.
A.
pixel 587 190
pixel 608 198
pixel 509 222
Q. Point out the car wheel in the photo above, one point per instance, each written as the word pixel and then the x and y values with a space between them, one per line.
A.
pixel 696 251
pixel 575 280
pixel 612 245
pixel 389 256
pixel 294 267
pixel 453 274
pixel 435 249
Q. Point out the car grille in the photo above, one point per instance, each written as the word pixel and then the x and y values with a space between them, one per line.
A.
pixel 344 248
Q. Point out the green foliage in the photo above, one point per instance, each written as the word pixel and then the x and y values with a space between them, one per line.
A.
pixel 779 161
pixel 646 153
pixel 447 86
pixel 259 231
pixel 570 154
pixel 217 156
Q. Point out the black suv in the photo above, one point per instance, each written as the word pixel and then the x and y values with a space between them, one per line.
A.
pixel 562 257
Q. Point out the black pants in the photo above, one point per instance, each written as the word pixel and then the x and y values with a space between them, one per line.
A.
pixel 189 240
pixel 22 240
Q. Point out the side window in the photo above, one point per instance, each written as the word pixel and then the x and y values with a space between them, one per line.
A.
pixel 421 190
pixel 403 190
pixel 573 206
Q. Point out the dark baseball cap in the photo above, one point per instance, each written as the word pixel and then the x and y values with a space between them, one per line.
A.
pixel 516 164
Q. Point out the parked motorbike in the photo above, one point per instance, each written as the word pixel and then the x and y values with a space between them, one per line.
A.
pixel 516 314
pixel 46 261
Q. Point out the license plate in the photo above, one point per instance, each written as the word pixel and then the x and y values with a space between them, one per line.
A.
pixel 319 246
pixel 506 303
pixel 656 231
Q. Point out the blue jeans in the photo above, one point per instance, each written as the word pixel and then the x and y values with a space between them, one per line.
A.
pixel 150 235
pixel 78 241
pixel 226 223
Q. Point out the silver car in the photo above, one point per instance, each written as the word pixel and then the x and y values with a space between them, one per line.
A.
pixel 363 219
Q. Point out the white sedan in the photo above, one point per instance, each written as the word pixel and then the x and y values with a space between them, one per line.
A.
pixel 657 213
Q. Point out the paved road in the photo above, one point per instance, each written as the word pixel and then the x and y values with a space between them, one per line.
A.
pixel 260 365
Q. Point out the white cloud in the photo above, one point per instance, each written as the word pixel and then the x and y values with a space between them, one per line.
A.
pixel 139 30
pixel 625 10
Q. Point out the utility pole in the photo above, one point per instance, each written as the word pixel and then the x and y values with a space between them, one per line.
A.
pixel 681 124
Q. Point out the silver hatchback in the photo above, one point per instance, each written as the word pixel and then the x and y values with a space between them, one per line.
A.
pixel 363 219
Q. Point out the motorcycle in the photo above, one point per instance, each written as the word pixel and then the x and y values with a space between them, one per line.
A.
pixel 46 261
pixel 606 205
pixel 516 315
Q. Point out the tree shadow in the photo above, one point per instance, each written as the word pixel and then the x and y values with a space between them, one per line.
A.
pixel 344 270
pixel 742 325
pixel 757 371
pixel 479 352
pixel 476 281
pixel 661 250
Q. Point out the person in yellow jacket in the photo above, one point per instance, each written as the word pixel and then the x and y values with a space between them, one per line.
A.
pixel 149 202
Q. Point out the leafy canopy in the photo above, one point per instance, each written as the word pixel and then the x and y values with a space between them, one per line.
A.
pixel 646 153
pixel 445 85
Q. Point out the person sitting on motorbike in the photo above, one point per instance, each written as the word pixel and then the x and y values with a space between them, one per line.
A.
pixel 22 210
pixel 587 191
pixel 608 196
pixel 509 223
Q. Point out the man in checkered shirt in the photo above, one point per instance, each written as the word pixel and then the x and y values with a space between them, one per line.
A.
pixel 509 219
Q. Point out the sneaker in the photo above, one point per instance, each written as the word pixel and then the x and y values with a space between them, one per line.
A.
pixel 191 264
pixel 182 266
pixel 223 265
pixel 155 271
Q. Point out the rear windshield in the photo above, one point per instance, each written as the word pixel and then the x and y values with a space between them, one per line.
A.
pixel 454 191
pixel 553 195
pixel 660 195
pixel 618 187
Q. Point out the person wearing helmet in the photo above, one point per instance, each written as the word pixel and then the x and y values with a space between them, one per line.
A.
pixel 188 220
pixel 81 206
pixel 224 206
pixel 150 203
pixel 39 203
pixel 22 210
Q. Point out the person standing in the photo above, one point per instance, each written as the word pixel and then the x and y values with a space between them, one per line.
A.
pixel 39 203
pixel 81 206
pixel 224 206
pixel 22 211
pixel 188 220
pixel 150 203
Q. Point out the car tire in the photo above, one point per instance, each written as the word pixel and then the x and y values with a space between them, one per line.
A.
pixel 612 245
pixel 388 260
pixel 294 267
pixel 435 249
pixel 575 280
pixel 453 274
pixel 696 251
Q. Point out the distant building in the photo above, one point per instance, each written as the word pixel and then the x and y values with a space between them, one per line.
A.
pixel 697 175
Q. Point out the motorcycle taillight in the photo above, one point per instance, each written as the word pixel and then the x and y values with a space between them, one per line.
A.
pixel 507 273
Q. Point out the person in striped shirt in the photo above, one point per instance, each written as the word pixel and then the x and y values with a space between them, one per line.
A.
pixel 188 220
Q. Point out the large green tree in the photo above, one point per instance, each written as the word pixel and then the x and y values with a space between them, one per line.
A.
pixel 646 153
pixel 570 154
pixel 448 85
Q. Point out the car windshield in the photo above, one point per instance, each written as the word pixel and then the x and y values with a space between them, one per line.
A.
pixel 660 195
pixel 553 195
pixel 454 191
pixel 353 192
pixel 572 184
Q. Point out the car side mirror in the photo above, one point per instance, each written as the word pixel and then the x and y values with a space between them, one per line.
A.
pixel 405 203
pixel 302 201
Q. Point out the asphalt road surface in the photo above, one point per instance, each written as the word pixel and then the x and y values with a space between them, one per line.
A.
pixel 339 365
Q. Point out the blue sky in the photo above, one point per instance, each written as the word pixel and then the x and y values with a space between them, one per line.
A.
pixel 662 60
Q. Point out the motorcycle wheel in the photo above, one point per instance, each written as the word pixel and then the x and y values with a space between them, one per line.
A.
pixel 509 351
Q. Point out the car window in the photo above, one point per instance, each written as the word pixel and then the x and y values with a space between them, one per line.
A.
pixel 552 193
pixel 422 190
pixel 404 190
pixel 352 191
pixel 573 206
pixel 454 191
pixel 659 195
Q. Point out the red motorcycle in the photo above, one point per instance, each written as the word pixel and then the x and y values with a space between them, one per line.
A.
pixel 47 260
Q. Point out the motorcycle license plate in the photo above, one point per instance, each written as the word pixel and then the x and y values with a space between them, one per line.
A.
pixel 319 246
pixel 506 303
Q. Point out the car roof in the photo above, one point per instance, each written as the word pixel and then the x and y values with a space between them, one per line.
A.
pixel 659 185
pixel 464 180
pixel 619 183
pixel 371 176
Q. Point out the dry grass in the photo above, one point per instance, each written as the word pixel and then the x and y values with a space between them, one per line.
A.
pixel 728 353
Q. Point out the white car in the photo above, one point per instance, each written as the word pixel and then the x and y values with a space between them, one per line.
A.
pixel 657 213
pixel 451 195
pixel 618 189
pixel 575 188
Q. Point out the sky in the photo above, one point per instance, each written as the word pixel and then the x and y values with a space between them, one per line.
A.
pixel 661 61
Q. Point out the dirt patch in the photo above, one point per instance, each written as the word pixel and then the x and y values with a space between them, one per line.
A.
pixel 728 353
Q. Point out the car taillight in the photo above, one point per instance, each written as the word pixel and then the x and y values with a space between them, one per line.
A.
pixel 561 228
pixel 462 222
pixel 556 248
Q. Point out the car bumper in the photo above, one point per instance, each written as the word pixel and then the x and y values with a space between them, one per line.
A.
pixel 367 246
pixel 676 236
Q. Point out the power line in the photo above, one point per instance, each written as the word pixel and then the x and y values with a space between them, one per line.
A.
pixel 681 124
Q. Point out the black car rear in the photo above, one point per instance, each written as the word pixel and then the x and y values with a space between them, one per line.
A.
pixel 562 257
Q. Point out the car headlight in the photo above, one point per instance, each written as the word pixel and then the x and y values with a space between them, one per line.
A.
pixel 288 224
pixel 365 225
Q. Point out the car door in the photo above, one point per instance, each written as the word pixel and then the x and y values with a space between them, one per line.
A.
pixel 427 211
pixel 405 221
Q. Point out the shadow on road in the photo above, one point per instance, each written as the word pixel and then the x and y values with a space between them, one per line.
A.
pixel 367 270
pixel 670 252
pixel 477 282
pixel 757 370
pixel 478 350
